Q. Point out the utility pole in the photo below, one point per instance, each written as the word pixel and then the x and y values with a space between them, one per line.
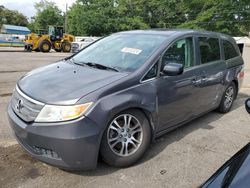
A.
pixel 66 19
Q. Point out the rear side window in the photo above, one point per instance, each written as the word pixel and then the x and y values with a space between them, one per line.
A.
pixel 209 49
pixel 229 50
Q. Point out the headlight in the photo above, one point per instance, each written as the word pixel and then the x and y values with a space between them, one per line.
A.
pixel 53 113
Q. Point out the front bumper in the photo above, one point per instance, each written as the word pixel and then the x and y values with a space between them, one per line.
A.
pixel 75 48
pixel 69 145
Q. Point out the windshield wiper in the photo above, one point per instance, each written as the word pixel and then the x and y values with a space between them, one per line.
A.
pixel 95 65
pixel 77 63
pixel 100 66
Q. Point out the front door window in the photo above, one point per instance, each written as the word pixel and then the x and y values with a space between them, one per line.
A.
pixel 181 52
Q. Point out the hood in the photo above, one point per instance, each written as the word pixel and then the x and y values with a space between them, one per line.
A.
pixel 65 83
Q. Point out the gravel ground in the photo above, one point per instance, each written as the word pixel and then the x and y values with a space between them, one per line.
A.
pixel 185 157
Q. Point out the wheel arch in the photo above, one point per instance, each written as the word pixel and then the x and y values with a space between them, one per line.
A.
pixel 42 39
pixel 232 76
pixel 235 81
pixel 146 112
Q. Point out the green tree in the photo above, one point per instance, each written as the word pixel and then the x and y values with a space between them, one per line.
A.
pixel 231 17
pixel 100 17
pixel 47 14
pixel 12 17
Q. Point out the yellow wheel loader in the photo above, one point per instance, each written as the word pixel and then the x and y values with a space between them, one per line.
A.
pixel 55 39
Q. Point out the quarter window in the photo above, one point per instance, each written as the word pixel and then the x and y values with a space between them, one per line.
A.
pixel 209 49
pixel 152 73
pixel 229 50
pixel 181 52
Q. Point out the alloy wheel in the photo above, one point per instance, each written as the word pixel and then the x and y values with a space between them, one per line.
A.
pixel 229 97
pixel 125 135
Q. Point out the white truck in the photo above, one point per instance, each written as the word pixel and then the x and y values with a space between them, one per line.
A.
pixel 85 41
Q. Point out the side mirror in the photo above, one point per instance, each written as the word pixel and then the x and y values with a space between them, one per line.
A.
pixel 247 105
pixel 172 69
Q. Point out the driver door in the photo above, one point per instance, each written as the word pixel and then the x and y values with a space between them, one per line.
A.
pixel 177 95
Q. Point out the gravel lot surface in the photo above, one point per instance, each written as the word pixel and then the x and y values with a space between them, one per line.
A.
pixel 185 157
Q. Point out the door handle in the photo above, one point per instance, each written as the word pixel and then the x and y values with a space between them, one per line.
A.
pixel 203 78
pixel 197 81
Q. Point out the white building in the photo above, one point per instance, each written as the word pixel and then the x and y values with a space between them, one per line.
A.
pixel 244 43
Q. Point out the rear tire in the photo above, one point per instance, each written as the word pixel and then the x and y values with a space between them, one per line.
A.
pixel 45 46
pixel 123 143
pixel 66 47
pixel 227 99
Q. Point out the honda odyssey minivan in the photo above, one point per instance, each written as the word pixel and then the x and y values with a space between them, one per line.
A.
pixel 115 96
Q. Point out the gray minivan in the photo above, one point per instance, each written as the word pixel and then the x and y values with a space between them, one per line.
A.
pixel 114 97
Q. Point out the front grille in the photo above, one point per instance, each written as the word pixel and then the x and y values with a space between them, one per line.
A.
pixel 25 107
pixel 75 47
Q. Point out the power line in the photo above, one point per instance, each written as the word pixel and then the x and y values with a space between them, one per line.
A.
pixel 211 22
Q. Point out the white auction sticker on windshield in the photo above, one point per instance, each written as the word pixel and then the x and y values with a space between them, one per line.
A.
pixel 131 50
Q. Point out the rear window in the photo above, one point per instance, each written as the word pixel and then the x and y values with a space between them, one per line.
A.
pixel 229 50
pixel 209 49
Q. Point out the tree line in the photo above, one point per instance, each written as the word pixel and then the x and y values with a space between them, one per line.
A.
pixel 12 17
pixel 102 17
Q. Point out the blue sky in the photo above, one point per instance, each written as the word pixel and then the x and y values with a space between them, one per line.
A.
pixel 27 6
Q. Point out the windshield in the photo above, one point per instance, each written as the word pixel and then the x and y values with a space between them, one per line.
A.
pixel 124 52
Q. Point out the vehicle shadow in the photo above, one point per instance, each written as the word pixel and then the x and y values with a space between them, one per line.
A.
pixel 204 122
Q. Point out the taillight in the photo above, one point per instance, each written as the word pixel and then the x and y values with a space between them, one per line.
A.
pixel 241 75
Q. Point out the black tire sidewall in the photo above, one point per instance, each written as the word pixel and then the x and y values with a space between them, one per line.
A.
pixel 63 46
pixel 111 158
pixel 41 46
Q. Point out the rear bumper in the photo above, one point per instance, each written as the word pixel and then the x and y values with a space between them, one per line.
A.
pixel 69 145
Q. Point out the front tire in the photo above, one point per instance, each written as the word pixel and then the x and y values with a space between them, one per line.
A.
pixel 228 99
pixel 45 46
pixel 126 139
